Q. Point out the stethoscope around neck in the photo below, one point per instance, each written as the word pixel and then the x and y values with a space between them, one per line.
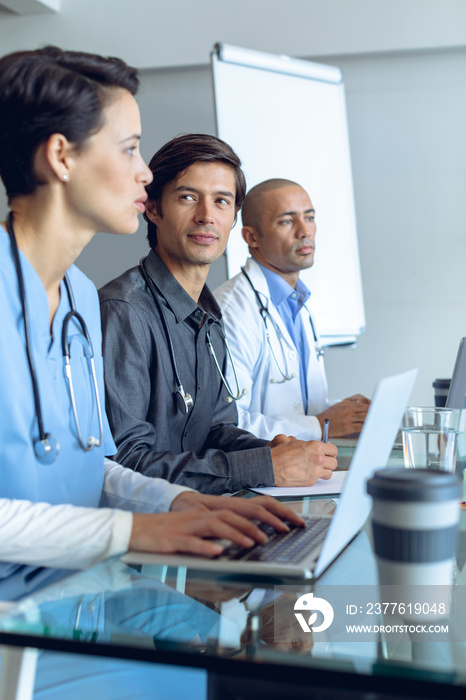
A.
pixel 183 399
pixel 46 446
pixel 267 318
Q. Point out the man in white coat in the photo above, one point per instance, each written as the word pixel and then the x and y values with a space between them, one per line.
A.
pixel 269 325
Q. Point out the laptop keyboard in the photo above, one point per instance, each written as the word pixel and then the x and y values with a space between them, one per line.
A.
pixel 282 548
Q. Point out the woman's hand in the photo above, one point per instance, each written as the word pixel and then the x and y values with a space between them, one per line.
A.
pixel 262 508
pixel 197 518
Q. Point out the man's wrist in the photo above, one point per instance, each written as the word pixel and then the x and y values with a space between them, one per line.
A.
pixel 321 419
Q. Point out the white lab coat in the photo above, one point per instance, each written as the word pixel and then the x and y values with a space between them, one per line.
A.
pixel 271 405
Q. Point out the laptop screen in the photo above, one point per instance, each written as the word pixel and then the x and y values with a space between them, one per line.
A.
pixel 457 395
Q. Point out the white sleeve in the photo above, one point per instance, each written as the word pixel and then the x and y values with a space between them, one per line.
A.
pixel 63 536
pixel 129 490
pixel 301 427
pixel 73 537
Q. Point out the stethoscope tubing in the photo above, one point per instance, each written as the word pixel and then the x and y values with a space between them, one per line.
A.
pixel 27 334
pixel 184 400
pixel 47 447
pixel 267 316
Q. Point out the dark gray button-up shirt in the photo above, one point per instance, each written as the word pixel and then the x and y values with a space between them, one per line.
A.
pixel 203 449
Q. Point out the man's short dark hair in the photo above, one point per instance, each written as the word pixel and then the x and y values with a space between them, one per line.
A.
pixel 52 91
pixel 173 159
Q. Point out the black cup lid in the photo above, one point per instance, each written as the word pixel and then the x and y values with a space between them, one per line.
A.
pixel 441 383
pixel 414 485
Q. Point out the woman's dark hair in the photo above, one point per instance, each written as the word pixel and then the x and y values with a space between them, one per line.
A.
pixel 176 156
pixel 52 91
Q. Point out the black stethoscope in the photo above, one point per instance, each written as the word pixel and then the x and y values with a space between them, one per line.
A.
pixel 46 446
pixel 183 399
pixel 268 318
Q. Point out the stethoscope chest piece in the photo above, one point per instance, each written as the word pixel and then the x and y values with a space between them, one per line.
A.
pixel 183 400
pixel 46 449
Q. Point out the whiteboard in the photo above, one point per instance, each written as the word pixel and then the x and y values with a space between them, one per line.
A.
pixel 286 118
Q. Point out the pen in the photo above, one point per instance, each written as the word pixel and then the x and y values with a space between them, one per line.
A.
pixel 325 436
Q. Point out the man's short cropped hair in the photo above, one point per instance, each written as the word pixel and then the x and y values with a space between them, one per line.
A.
pixel 253 205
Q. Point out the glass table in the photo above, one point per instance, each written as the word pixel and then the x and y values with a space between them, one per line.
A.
pixel 246 632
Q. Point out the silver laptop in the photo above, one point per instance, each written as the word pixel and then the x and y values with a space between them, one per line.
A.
pixel 305 553
pixel 457 393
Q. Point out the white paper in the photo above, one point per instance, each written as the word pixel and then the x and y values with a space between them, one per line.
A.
pixel 323 487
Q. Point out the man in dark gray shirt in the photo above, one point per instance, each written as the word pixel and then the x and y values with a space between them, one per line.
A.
pixel 171 412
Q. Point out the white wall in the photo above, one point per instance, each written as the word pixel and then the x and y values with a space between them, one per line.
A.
pixel 407 117
pixel 157 33
pixel 407 122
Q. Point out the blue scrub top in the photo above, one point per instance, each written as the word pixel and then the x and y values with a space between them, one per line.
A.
pixel 75 477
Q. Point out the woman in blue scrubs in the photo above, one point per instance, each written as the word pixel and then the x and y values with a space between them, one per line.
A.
pixel 70 163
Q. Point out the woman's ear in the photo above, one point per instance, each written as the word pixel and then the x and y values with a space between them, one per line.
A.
pixel 55 156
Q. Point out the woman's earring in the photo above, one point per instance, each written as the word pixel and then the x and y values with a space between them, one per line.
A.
pixel 64 177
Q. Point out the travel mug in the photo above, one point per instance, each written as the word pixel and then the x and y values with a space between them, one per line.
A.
pixel 415 517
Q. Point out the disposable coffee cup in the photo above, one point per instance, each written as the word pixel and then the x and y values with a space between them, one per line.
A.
pixel 430 437
pixel 415 518
pixel 441 389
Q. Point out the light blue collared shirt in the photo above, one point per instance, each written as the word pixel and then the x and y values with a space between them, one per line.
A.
pixel 289 302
